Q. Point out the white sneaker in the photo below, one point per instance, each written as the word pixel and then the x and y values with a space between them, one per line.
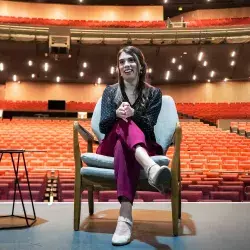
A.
pixel 119 240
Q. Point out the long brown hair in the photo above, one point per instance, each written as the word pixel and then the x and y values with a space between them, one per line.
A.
pixel 139 59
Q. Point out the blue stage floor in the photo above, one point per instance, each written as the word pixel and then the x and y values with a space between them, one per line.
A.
pixel 217 226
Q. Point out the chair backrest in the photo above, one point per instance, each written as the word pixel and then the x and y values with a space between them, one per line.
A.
pixel 164 128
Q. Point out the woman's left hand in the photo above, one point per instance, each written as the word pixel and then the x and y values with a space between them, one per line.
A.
pixel 128 109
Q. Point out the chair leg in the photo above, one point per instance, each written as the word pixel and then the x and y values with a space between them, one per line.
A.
pixel 175 207
pixel 91 200
pixel 77 208
pixel 179 201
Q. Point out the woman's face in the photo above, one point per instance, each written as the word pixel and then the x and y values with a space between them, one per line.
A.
pixel 127 66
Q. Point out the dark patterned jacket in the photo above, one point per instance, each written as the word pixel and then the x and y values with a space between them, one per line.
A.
pixel 145 117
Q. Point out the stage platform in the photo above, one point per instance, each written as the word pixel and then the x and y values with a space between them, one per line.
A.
pixel 217 226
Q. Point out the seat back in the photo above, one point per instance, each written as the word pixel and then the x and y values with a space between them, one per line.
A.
pixel 164 128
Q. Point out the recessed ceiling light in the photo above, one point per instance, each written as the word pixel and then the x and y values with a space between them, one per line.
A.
pixel 184 53
pixel 30 63
pixel 99 80
pixel 1 66
pixel 81 74
pixel 232 63
pixel 58 79
pixel 212 73
pixel 167 75
pixel 194 77
pixel 46 66
pixel 33 76
pixel 205 63
pixel 150 70
pixel 14 78
pixel 165 1
pixel 80 1
pixel 85 65
pixel 208 80
pixel 173 60
pixel 233 54
pixel 200 56
pixel 112 70
pixel 180 67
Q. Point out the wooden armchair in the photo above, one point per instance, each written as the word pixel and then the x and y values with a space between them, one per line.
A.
pixel 99 172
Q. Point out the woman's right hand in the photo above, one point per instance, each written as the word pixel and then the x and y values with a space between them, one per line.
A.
pixel 121 112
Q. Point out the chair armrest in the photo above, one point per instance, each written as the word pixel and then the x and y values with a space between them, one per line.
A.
pixel 87 136
pixel 175 168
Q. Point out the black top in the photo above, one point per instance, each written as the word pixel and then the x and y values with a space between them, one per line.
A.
pixel 145 117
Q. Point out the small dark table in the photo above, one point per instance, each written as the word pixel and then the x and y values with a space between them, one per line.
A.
pixel 20 153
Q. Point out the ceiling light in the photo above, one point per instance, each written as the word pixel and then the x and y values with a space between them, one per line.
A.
pixel 33 76
pixel 165 1
pixel 225 79
pixel 180 8
pixel 58 79
pixel 1 67
pixel 80 1
pixel 46 66
pixel 184 53
pixel 232 63
pixel 112 70
pixel 200 56
pixel 30 63
pixel 14 78
pixel 205 63
pixel 212 73
pixel 150 70
pixel 167 75
pixel 81 74
pixel 84 65
pixel 194 77
pixel 99 80
pixel 208 80
pixel 180 67
pixel 233 54
pixel 173 60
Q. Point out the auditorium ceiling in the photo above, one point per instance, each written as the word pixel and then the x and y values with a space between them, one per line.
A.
pixel 229 61
pixel 171 7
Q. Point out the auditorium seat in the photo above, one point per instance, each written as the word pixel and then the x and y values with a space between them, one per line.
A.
pixel 191 196
pixel 225 195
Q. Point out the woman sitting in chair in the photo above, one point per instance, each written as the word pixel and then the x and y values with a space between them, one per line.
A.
pixel 129 112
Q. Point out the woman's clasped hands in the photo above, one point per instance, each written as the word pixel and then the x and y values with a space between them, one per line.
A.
pixel 125 111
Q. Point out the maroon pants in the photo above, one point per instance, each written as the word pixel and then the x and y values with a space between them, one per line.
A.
pixel 120 143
